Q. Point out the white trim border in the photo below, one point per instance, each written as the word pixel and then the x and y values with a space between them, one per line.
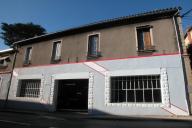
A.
pixel 163 80
pixel 81 75
pixel 30 99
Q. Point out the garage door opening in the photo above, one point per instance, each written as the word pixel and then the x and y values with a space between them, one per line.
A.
pixel 72 94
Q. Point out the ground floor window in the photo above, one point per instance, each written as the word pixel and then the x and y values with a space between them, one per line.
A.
pixel 139 89
pixel 29 88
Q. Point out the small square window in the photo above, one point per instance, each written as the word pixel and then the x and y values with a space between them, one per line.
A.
pixel 29 88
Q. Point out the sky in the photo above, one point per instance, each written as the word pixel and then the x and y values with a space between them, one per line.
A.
pixel 56 15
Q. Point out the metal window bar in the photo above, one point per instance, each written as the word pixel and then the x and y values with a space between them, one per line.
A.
pixel 134 83
pixel 30 88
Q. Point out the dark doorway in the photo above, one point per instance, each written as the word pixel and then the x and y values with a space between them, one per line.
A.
pixel 72 94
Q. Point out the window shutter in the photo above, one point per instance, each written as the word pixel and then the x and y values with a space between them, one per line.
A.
pixel 147 39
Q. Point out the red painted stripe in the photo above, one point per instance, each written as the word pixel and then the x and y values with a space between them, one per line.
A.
pixel 99 60
pixel 6 72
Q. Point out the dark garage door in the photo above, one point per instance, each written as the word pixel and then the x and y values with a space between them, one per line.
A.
pixel 72 94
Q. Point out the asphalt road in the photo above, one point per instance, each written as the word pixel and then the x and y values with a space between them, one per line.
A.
pixel 75 120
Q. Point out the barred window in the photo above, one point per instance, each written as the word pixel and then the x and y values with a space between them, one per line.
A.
pixel 140 89
pixel 30 88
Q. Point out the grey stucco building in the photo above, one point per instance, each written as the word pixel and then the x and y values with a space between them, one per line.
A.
pixel 131 65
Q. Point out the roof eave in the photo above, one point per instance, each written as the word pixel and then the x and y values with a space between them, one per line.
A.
pixel 158 14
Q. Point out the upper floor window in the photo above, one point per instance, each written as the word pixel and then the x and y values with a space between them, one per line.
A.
pixel 28 54
pixel 56 52
pixel 144 38
pixel 93 45
pixel 4 62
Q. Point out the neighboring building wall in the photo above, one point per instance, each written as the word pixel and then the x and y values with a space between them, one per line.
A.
pixel 4 83
pixel 5 73
pixel 188 37
pixel 186 45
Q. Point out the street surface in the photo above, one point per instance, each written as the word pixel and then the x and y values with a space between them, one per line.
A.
pixel 80 120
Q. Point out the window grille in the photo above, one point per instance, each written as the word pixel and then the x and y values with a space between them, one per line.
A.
pixel 139 89
pixel 30 88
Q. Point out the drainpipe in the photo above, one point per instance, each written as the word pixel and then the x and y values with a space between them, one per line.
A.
pixel 15 48
pixel 179 43
pixel 176 31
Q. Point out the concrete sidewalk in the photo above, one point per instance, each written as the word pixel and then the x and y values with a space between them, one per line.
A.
pixel 84 115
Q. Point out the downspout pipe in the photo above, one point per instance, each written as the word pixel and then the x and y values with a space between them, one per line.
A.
pixel 176 31
pixel 15 48
pixel 180 48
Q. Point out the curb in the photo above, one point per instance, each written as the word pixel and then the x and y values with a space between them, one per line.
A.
pixel 143 118
pixel 21 112
pixel 110 117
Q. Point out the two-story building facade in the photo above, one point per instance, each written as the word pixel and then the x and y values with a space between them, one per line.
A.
pixel 130 65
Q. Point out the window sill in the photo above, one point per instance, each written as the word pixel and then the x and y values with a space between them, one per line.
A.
pixel 143 105
pixel 94 56
pixel 54 61
pixel 26 63
pixel 146 51
pixel 32 99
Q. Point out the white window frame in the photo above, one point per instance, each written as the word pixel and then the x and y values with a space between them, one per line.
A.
pixel 151 34
pixel 53 42
pixel 25 77
pixel 156 71
pixel 80 75
pixel 19 92
pixel 99 36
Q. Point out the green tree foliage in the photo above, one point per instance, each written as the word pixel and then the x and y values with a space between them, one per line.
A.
pixel 19 31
